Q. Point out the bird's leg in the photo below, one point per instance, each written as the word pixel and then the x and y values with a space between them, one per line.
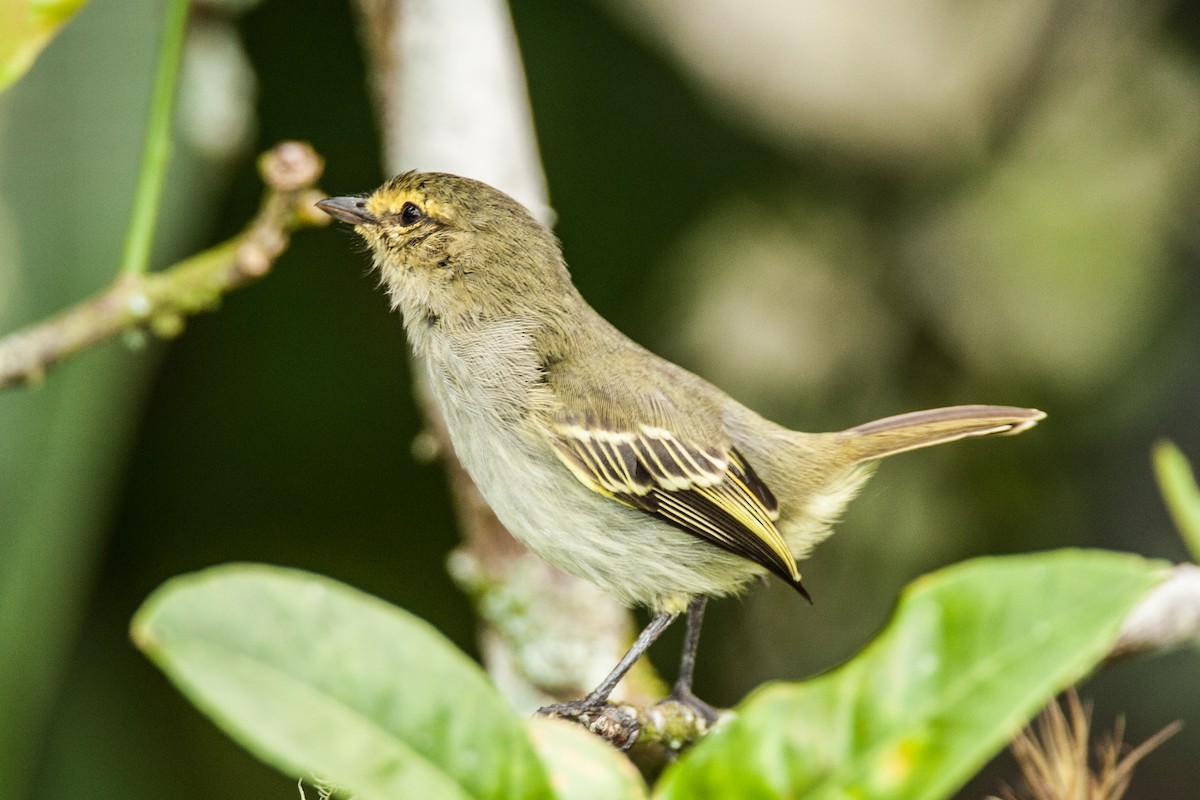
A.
pixel 595 705
pixel 599 696
pixel 682 692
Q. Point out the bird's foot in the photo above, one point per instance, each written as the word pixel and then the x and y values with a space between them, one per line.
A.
pixel 601 717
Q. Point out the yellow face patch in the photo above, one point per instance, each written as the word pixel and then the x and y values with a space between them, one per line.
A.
pixel 386 203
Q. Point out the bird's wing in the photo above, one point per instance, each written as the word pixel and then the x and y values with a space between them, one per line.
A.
pixel 707 490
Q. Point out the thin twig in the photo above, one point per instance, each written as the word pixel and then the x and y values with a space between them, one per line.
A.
pixel 161 300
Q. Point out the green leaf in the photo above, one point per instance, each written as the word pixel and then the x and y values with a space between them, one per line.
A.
pixel 582 766
pixel 26 27
pixel 972 653
pixel 325 682
pixel 1180 493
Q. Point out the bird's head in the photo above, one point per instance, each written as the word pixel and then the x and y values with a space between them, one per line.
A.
pixel 447 246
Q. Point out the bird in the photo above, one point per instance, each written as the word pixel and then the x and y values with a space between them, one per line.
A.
pixel 611 463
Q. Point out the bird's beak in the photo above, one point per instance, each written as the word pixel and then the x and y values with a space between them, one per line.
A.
pixel 350 209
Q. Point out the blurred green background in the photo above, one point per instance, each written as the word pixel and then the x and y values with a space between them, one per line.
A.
pixel 834 213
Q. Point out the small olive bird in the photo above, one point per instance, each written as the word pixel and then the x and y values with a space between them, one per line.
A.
pixel 609 462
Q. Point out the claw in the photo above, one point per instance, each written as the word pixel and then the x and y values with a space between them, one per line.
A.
pixel 602 718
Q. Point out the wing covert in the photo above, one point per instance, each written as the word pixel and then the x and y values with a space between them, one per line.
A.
pixel 707 491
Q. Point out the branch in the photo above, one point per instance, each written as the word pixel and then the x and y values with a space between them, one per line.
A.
pixel 669 725
pixel 161 300
pixel 1168 616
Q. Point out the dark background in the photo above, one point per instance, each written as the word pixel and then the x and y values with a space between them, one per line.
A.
pixel 1049 260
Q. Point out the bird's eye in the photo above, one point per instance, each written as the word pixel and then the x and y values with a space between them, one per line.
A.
pixel 410 214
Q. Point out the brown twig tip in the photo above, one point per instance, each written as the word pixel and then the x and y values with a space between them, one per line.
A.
pixel 307 212
pixel 290 166
pixel 252 259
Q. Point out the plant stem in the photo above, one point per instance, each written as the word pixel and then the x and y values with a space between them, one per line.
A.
pixel 156 152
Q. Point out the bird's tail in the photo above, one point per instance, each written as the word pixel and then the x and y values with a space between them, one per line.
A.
pixel 891 435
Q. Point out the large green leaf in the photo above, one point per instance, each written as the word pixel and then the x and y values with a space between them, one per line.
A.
pixel 972 653
pixel 27 26
pixel 323 681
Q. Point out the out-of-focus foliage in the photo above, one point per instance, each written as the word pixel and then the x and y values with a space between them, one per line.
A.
pixel 1068 233
pixel 68 163
pixel 26 27
pixel 829 262
pixel 1180 493
pixel 905 87
pixel 1044 185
